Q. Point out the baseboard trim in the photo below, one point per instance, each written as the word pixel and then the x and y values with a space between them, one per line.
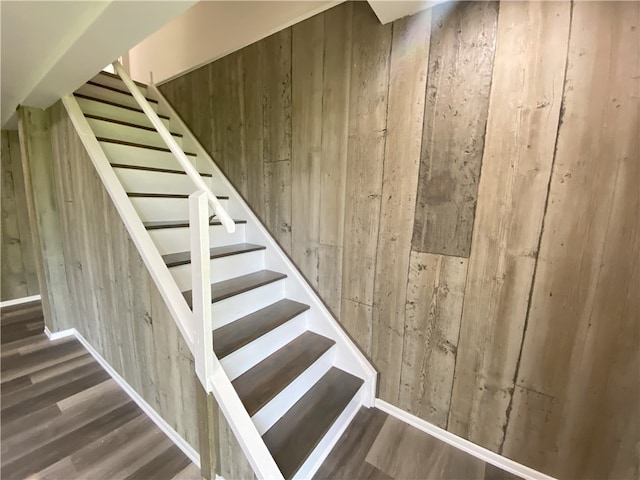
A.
pixel 18 301
pixel 174 436
pixel 462 444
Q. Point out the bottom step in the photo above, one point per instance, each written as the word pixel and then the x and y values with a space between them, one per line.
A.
pixel 292 439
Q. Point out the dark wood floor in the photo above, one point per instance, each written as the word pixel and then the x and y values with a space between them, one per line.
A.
pixel 381 447
pixel 63 417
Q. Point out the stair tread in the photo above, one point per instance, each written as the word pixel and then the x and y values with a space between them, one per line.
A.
pixel 113 75
pixel 264 381
pixel 155 225
pixel 139 145
pixel 118 90
pixel 292 439
pixel 229 338
pixel 183 258
pixel 155 169
pixel 126 124
pixel 114 104
pixel 166 195
pixel 238 285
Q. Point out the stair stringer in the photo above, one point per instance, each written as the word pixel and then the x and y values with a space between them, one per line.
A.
pixel 166 285
pixel 319 319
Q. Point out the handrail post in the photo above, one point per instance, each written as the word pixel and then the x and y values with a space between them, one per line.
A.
pixel 201 286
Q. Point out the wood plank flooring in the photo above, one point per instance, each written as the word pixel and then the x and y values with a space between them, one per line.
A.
pixel 377 446
pixel 62 415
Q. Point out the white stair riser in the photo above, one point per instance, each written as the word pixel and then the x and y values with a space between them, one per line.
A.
pixel 145 157
pixel 94 107
pixel 173 240
pixel 106 129
pixel 116 97
pixel 156 182
pixel 155 209
pixel 268 415
pixel 232 308
pixel 250 355
pixel 223 268
pixel 320 453
pixel 115 82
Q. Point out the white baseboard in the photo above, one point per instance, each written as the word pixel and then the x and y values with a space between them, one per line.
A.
pixel 460 443
pixel 18 301
pixel 180 442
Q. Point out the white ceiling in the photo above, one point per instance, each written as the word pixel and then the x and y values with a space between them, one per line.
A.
pixel 50 48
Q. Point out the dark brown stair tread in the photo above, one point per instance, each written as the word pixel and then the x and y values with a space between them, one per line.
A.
pixel 229 338
pixel 292 439
pixel 139 145
pixel 113 104
pixel 166 195
pixel 113 75
pixel 259 385
pixel 238 285
pixel 126 124
pixel 180 223
pixel 118 90
pixel 155 169
pixel 183 258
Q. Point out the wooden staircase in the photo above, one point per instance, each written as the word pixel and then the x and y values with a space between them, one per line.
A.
pixel 292 376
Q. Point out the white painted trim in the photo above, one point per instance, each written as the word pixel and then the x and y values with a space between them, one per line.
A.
pixel 462 444
pixel 18 301
pixel 61 334
pixel 174 436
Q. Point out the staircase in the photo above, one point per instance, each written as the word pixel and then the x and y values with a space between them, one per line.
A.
pixel 297 374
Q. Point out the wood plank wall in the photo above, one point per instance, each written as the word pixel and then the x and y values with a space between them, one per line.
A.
pixel 460 186
pixel 17 267
pixel 104 290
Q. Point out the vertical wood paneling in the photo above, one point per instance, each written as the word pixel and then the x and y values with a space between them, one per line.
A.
pixel 408 76
pixel 521 131
pixel 120 312
pixel 586 266
pixel 367 124
pixel 306 149
pixel 446 336
pixel 253 146
pixel 277 201
pixel 276 70
pixel 335 136
pixel 37 166
pixel 19 277
pixel 455 117
pixel 434 307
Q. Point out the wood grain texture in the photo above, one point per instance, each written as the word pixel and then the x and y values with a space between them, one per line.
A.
pixel 435 294
pixel 18 269
pixel 67 419
pixel 519 147
pixel 455 116
pixel 130 327
pixel 335 136
pixel 378 446
pixel 37 168
pixel 306 145
pixel 367 123
pixel 586 283
pixel 405 109
pixel 362 247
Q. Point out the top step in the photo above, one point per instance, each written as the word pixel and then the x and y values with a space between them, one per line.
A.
pixel 113 80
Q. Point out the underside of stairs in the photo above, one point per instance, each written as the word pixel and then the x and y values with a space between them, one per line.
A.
pixel 291 372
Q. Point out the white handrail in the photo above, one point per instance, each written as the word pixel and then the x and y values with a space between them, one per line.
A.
pixel 189 169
